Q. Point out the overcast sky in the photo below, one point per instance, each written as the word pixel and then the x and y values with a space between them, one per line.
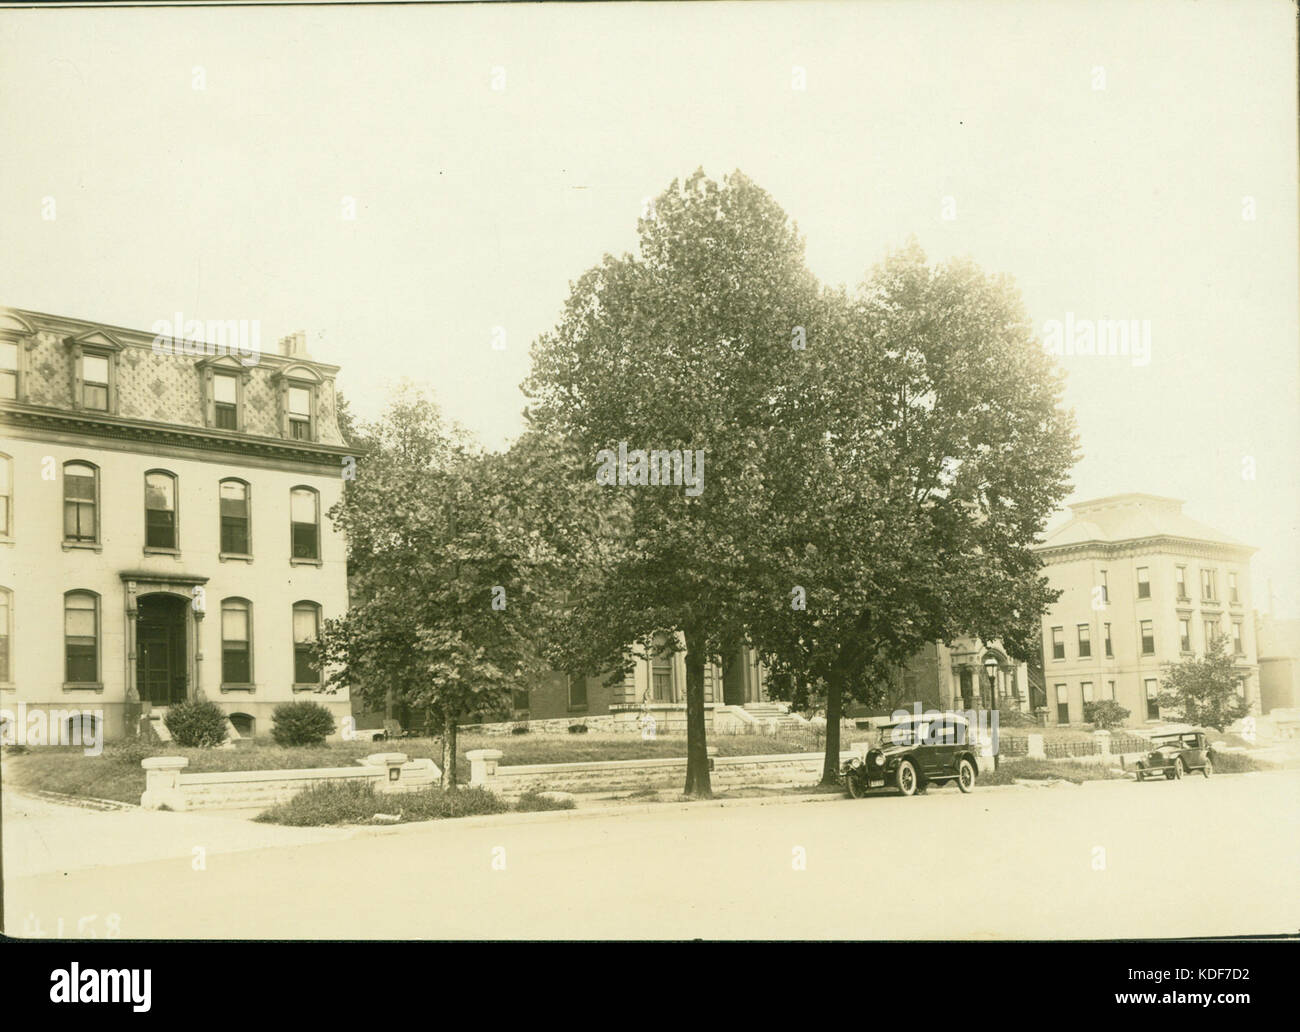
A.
pixel 199 161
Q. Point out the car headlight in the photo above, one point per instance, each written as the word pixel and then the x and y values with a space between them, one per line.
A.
pixel 880 760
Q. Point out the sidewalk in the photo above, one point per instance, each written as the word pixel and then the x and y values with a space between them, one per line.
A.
pixel 41 836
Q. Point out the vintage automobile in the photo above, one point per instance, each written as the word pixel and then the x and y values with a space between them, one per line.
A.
pixel 1174 752
pixel 914 753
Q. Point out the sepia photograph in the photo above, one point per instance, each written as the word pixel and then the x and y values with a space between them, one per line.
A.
pixel 794 471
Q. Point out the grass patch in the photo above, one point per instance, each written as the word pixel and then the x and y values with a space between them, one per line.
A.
pixel 1009 771
pixel 533 802
pixel 1239 763
pixel 355 803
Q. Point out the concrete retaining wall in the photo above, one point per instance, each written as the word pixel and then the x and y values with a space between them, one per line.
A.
pixel 167 788
pixel 629 775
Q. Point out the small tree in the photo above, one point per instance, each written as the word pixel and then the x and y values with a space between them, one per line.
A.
pixel 447 572
pixel 1204 690
pixel 1105 714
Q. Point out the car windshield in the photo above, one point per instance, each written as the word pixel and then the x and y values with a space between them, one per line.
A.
pixel 935 731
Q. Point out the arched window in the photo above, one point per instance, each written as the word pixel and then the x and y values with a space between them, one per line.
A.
pixel 236 518
pixel 81 637
pixel 236 642
pixel 160 524
pixel 6 496
pixel 304 517
pixel 6 635
pixel 80 503
pixel 244 724
pixel 306 633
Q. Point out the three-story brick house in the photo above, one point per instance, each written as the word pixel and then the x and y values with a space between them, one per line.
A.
pixel 162 522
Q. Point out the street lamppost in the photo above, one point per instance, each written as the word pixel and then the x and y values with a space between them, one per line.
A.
pixel 991 668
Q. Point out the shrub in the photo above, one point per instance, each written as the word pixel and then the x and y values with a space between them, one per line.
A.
pixel 577 729
pixel 301 723
pixel 533 801
pixel 196 723
pixel 1105 714
pixel 520 728
pixel 352 802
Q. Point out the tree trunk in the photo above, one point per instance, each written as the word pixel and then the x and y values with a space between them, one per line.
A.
pixel 834 708
pixel 697 746
pixel 449 752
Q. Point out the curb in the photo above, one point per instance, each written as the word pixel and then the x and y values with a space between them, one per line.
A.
pixel 493 819
pixel 78 801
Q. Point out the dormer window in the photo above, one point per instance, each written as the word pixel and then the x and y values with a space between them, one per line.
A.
pixel 300 413
pixel 8 371
pixel 299 387
pixel 223 381
pixel 16 337
pixel 94 382
pixel 225 402
pixel 94 371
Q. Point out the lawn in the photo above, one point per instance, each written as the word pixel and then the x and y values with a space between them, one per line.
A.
pixel 117 774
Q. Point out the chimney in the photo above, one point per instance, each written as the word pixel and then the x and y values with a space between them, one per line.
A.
pixel 294 345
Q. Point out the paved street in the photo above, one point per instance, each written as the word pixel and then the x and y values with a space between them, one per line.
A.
pixel 1196 857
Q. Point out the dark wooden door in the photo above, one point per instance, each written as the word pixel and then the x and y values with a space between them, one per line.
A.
pixel 161 652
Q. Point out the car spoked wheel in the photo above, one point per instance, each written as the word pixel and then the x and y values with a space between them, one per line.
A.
pixel 1208 769
pixel 908 781
pixel 1178 768
pixel 851 783
pixel 966 775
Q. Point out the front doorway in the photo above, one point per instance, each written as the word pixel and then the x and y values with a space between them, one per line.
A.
pixel 162 653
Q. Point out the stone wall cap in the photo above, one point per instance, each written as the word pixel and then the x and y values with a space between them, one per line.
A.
pixel 484 754
pixel 382 759
pixel 164 762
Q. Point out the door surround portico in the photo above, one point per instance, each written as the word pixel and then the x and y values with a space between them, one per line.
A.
pixel 135 585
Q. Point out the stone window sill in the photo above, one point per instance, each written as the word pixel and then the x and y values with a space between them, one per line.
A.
pixel 83 686
pixel 307 687
pixel 305 562
pixel 88 546
pixel 175 553
pixel 250 688
pixel 239 557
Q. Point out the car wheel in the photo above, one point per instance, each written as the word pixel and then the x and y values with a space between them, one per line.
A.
pixel 907 779
pixel 965 775
pixel 1178 768
pixel 851 783
pixel 1208 769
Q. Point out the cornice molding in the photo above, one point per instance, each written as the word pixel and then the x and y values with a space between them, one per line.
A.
pixel 1174 545
pixel 115 430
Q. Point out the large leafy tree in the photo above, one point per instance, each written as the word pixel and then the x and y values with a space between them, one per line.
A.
pixel 449 576
pixel 687 345
pixel 909 517
pixel 1203 689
